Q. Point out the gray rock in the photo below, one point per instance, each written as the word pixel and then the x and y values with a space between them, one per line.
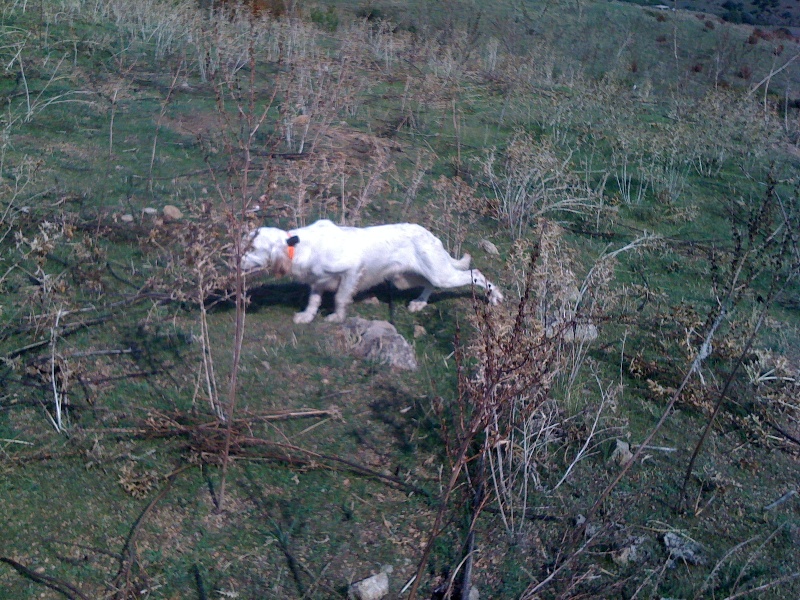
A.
pixel 371 588
pixel 489 247
pixel 379 341
pixel 633 551
pixel 127 218
pixel 591 528
pixel 172 213
pixel 622 453
pixel 681 548
pixel 150 211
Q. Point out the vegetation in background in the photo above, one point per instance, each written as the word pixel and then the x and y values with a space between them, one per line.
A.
pixel 626 425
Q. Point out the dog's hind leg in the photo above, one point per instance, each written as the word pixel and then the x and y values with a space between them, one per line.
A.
pixel 455 278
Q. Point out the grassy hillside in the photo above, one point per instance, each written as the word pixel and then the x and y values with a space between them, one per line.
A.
pixel 774 13
pixel 625 425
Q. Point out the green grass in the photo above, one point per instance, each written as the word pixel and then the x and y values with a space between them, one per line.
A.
pixel 298 525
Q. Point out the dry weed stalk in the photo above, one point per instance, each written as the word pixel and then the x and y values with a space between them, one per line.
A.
pixel 194 274
pixel 452 212
pixel 567 312
pixel 505 378
pixel 765 244
pixel 514 359
pixel 529 180
pixel 251 115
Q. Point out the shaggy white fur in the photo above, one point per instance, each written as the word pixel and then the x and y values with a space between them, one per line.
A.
pixel 346 260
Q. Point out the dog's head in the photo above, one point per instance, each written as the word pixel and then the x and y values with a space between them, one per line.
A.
pixel 266 248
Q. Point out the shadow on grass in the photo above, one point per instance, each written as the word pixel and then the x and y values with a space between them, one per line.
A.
pixel 295 295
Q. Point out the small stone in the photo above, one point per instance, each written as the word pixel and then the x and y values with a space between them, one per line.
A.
pixel 371 301
pixel 591 528
pixel 172 213
pixel 622 453
pixel 126 218
pixel 632 553
pixel 474 594
pixel 371 588
pixel 683 549
pixel 489 247
pixel 419 331
pixel 150 211
pixel 378 341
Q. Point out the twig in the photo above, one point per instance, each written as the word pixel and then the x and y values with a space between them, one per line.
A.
pixel 788 436
pixel 62 587
pixel 704 352
pixel 159 121
pixel 766 586
pixel 531 592
pixel 198 580
pixel 303 413
pixel 605 395
pixel 128 554
pixel 722 395
pixel 353 465
pixel 772 73
pixel 786 497
pixel 658 448
pixel 53 380
pixel 719 564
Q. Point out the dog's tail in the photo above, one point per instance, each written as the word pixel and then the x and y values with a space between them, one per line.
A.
pixel 462 264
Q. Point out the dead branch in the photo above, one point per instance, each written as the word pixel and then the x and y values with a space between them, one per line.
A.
pixel 785 498
pixel 354 466
pixel 128 554
pixel 788 436
pixel 54 583
pixel 766 586
pixel 207 439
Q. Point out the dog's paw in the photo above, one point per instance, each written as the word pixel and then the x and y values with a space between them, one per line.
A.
pixel 303 317
pixel 416 305
pixel 335 317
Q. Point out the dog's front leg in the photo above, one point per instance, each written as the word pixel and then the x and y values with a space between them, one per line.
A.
pixel 344 295
pixel 314 300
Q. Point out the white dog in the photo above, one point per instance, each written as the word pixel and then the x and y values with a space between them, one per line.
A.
pixel 347 260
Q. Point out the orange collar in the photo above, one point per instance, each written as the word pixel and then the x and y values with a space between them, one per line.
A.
pixel 291 242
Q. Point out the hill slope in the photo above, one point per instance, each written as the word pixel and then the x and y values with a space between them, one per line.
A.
pixel 626 425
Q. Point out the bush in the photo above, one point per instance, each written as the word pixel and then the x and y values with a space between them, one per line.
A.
pixel 325 19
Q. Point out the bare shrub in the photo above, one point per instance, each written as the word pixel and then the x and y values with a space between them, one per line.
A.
pixel 714 129
pixel 336 180
pixel 378 41
pixel 195 257
pixel 515 377
pixel 513 359
pixel 529 180
pixel 452 212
